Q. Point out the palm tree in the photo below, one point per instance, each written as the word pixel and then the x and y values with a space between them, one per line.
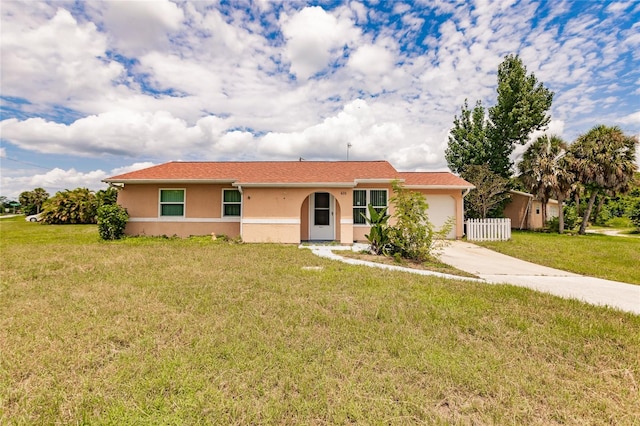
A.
pixel 544 172
pixel 604 160
pixel 39 197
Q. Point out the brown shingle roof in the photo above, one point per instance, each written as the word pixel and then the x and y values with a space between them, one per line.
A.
pixel 444 179
pixel 284 172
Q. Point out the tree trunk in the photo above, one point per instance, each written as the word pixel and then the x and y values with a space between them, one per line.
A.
pixel 544 213
pixel 598 208
pixel 560 215
pixel 587 213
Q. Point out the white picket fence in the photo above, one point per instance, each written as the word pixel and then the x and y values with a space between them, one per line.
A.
pixel 488 229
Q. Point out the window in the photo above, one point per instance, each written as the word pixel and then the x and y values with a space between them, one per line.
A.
pixel 172 202
pixel 231 202
pixel 362 197
pixel 322 209
pixel 359 206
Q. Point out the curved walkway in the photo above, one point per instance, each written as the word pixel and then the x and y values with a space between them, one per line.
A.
pixel 497 268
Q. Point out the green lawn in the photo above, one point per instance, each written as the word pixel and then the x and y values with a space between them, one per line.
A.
pixel 168 331
pixel 602 256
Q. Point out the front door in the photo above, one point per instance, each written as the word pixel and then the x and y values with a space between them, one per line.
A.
pixel 321 217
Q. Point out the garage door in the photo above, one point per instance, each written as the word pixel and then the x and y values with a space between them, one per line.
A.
pixel 441 209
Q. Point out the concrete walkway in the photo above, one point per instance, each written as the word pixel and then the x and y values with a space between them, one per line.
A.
pixel 499 268
pixel 496 268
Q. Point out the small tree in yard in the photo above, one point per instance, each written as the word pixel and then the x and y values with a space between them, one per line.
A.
pixel 490 193
pixel 112 219
pixel 413 234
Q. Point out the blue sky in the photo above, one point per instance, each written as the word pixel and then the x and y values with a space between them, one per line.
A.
pixel 94 89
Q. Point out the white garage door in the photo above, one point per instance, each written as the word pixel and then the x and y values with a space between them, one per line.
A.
pixel 441 209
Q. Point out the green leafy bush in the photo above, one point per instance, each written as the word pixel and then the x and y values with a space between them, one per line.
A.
pixel 76 206
pixel 571 220
pixel 413 235
pixel 112 219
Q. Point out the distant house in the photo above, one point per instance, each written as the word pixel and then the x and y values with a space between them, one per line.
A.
pixel 525 210
pixel 285 202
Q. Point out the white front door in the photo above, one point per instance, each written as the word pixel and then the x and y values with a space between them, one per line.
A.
pixel 321 217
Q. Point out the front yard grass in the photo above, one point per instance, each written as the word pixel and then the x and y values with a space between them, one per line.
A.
pixel 171 331
pixel 596 255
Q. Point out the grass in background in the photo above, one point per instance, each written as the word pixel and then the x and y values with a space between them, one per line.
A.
pixel 169 331
pixel 595 255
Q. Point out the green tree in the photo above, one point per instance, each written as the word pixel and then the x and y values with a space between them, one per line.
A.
pixel 490 193
pixel 468 143
pixel 604 161
pixel 32 201
pixel 71 207
pixel 544 172
pixel 521 107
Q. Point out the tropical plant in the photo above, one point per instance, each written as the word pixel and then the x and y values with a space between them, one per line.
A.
pixel 112 220
pixel 604 161
pixel 71 207
pixel 378 236
pixel 490 193
pixel 544 172
pixel 107 196
pixel 32 201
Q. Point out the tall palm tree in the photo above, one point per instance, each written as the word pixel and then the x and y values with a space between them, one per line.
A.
pixel 543 171
pixel 39 197
pixel 604 160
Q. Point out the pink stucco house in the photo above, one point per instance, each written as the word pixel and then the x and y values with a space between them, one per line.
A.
pixel 284 202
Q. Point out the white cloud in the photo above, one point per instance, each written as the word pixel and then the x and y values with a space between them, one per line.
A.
pixel 130 168
pixel 314 37
pixel 633 118
pixel 355 124
pixel 3 153
pixel 140 26
pixel 53 181
pixel 193 80
pixel 37 66
pixel 123 132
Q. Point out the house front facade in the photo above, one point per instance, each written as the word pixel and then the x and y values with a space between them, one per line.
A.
pixel 283 202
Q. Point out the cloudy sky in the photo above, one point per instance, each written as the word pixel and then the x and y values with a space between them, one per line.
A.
pixel 93 89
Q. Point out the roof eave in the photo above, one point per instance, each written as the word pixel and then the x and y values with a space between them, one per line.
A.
pixel 440 186
pixel 294 184
pixel 165 181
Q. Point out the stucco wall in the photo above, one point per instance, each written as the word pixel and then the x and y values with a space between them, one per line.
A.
pixel 203 211
pixel 268 214
pixel 516 210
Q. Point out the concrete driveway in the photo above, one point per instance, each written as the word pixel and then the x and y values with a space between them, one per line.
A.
pixel 499 268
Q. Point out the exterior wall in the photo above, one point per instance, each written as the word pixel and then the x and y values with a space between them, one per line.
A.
pixel 268 214
pixel 203 211
pixel 282 214
pixel 516 210
pixel 521 218
pixel 443 204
